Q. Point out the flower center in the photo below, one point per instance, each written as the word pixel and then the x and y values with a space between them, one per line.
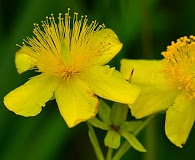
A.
pixel 68 72
pixel 179 65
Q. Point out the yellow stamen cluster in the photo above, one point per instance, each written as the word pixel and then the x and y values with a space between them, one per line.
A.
pixel 179 65
pixel 64 48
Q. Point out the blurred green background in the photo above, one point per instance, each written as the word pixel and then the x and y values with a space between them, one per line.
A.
pixel 145 27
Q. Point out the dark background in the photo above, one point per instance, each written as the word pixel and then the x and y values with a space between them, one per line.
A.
pixel 145 27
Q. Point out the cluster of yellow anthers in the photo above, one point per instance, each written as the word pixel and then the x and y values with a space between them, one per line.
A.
pixel 180 68
pixel 70 57
pixel 60 38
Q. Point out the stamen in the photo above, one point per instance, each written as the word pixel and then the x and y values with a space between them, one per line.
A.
pixel 68 47
pixel 179 65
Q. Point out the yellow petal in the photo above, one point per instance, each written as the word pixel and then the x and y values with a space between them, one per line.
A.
pixel 108 83
pixel 180 119
pixel 28 99
pixel 110 45
pixel 23 61
pixel 146 72
pixel 153 99
pixel 76 101
pixel 156 95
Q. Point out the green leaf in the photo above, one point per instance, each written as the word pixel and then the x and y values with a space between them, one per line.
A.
pixel 98 123
pixel 132 140
pixel 112 139
pixel 131 126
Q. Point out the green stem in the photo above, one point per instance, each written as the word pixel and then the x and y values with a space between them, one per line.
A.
pixel 109 154
pixel 126 146
pixel 121 151
pixel 95 143
pixel 150 141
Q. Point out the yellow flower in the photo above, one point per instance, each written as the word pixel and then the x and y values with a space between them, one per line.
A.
pixel 71 65
pixel 167 84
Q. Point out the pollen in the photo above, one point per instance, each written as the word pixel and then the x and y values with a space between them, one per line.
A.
pixel 179 65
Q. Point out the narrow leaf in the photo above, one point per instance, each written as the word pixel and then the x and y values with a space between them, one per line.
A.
pixel 98 123
pixel 132 140
pixel 131 126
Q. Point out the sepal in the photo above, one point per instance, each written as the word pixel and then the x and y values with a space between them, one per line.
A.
pixel 132 140
pixel 112 139
pixel 118 114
